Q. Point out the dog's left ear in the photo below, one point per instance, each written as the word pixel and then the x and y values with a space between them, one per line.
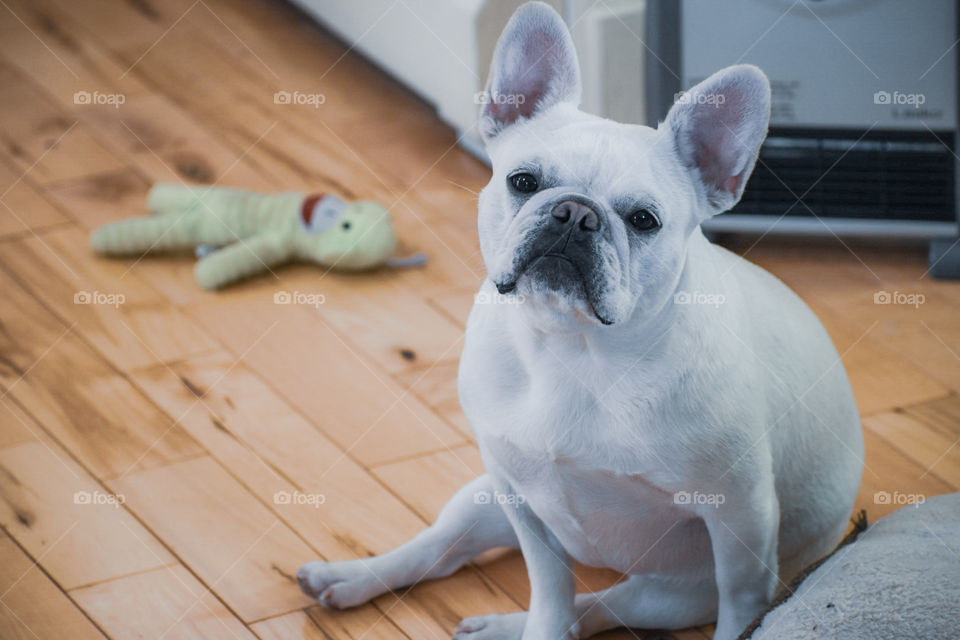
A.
pixel 534 67
pixel 717 129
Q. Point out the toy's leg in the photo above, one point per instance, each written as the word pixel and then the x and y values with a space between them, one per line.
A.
pixel 168 231
pixel 241 259
pixel 640 602
pixel 463 530
pixel 176 197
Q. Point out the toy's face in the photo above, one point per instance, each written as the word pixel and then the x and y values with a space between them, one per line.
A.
pixel 320 215
pixel 355 235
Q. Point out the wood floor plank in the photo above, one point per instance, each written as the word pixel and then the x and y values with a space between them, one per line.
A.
pixel 891 473
pixel 436 385
pixel 806 266
pixel 432 609
pixel 32 606
pixel 390 322
pixel 408 141
pixel 140 25
pixel 913 347
pixel 145 129
pixel 44 44
pixel 456 303
pixel 261 439
pixel 317 623
pixel 927 335
pixel 22 208
pixel 179 607
pixel 929 436
pixel 943 415
pixel 16 427
pixel 80 531
pixel 881 378
pixel 361 409
pixel 120 314
pixel 427 482
pixel 165 144
pixel 44 140
pixel 348 523
pixel 69 388
pixel 223 533
pixel 97 200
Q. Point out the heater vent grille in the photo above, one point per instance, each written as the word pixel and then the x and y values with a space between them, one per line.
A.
pixel 889 175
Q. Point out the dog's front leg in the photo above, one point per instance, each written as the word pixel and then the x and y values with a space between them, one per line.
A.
pixel 550 568
pixel 743 523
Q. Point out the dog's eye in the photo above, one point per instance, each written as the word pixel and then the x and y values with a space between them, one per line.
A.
pixel 643 220
pixel 524 182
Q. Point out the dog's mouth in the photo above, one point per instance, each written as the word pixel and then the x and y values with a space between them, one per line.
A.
pixel 558 273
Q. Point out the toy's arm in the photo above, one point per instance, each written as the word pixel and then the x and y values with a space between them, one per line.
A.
pixel 242 259
pixel 163 231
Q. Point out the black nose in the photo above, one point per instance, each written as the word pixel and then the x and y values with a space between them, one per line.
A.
pixel 570 211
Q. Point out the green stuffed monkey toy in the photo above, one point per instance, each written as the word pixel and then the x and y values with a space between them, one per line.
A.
pixel 238 233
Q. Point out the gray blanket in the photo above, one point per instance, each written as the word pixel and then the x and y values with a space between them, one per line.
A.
pixel 899 579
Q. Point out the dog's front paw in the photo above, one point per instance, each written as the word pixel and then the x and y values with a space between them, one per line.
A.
pixel 339 585
pixel 507 626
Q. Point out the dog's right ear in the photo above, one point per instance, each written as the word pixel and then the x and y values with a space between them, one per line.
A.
pixel 717 128
pixel 534 67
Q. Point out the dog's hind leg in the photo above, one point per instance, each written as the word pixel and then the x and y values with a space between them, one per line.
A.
pixel 649 602
pixel 466 527
pixel 639 602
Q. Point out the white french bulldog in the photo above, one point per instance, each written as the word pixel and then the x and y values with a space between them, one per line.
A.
pixel 646 401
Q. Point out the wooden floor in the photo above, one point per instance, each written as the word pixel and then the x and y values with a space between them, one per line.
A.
pixel 203 413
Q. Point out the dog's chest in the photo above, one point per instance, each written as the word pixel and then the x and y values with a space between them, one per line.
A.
pixel 601 516
pixel 578 443
pixel 582 471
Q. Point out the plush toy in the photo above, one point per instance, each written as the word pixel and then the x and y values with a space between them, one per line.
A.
pixel 900 578
pixel 240 233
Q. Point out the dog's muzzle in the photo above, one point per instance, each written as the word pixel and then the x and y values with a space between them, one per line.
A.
pixel 562 252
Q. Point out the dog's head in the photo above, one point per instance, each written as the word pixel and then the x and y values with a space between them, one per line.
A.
pixel 587 218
